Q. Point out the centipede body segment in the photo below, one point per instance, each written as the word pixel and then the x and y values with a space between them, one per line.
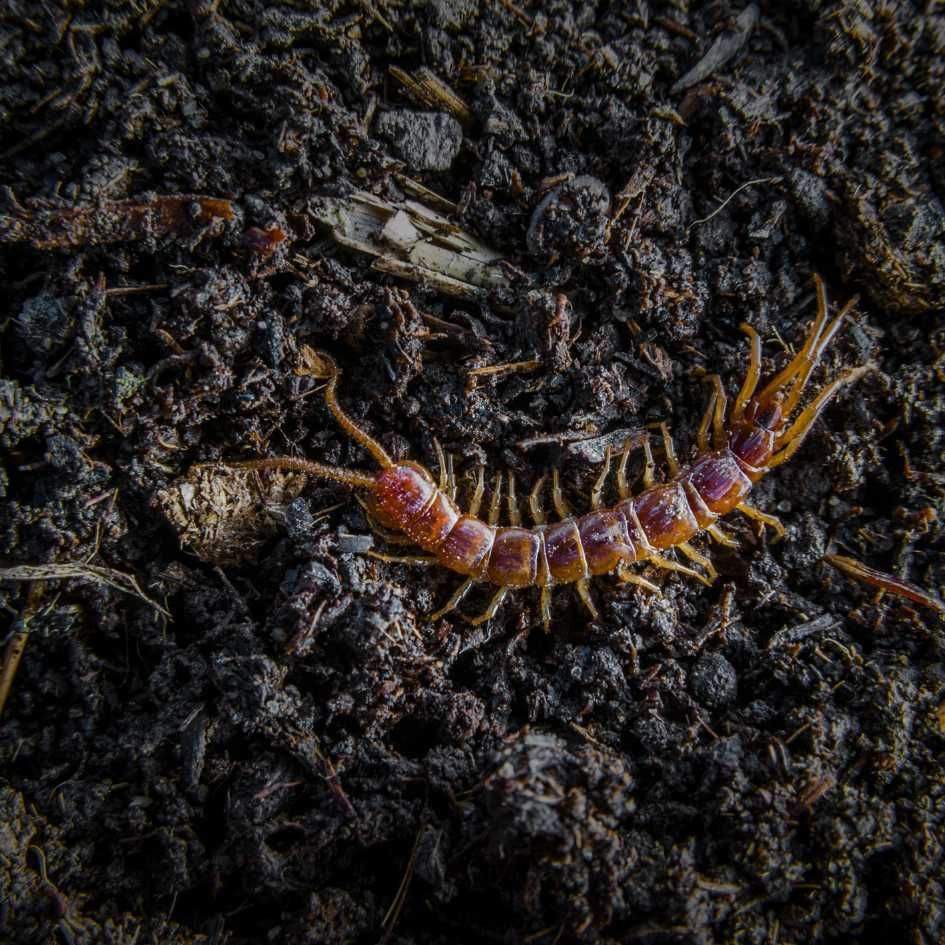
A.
pixel 736 448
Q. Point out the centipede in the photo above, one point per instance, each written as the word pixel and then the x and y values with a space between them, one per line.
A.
pixel 735 449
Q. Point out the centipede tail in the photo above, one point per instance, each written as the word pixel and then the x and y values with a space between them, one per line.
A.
pixel 757 435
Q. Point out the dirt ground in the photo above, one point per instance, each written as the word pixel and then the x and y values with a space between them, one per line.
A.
pixel 229 723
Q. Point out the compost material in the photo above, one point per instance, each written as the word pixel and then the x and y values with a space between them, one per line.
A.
pixel 525 232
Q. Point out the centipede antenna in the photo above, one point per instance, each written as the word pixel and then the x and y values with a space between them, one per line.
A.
pixel 534 501
pixel 790 441
pixel 320 365
pixel 598 489
pixel 752 375
pixel 496 502
pixel 349 477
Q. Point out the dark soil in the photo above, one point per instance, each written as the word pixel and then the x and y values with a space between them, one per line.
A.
pixel 294 750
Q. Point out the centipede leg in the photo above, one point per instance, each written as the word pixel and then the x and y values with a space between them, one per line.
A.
pixel 546 608
pixel 391 538
pixel 772 521
pixel 671 461
pixel 496 502
pixel 792 438
pixel 702 437
pixel 630 577
pixel 557 496
pixel 752 375
pixel 515 514
pixel 649 467
pixel 623 488
pixel 454 601
pixel 693 555
pixel 534 502
pixel 601 480
pixel 441 463
pixel 402 559
pixel 669 565
pixel 721 537
pixel 476 501
pixel 720 398
pixel 584 592
pixel 451 484
pixel 490 611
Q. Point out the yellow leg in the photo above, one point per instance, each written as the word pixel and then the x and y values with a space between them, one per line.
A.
pixel 629 577
pixel 454 601
pixel 402 559
pixel 515 516
pixel 802 358
pixel 534 502
pixel 799 370
pixel 451 485
pixel 751 377
pixel 699 559
pixel 623 488
pixel 490 611
pixel 546 608
pixel 649 467
pixel 476 500
pixel 792 438
pixel 601 481
pixel 702 437
pixel 392 538
pixel 772 521
pixel 557 496
pixel 496 502
pixel 720 536
pixel 671 461
pixel 441 463
pixel 719 436
pixel 584 592
pixel 670 565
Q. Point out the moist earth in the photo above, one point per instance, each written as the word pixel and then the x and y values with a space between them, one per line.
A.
pixel 229 723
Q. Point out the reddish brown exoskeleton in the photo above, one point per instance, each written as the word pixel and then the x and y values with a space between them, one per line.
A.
pixel 747 443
